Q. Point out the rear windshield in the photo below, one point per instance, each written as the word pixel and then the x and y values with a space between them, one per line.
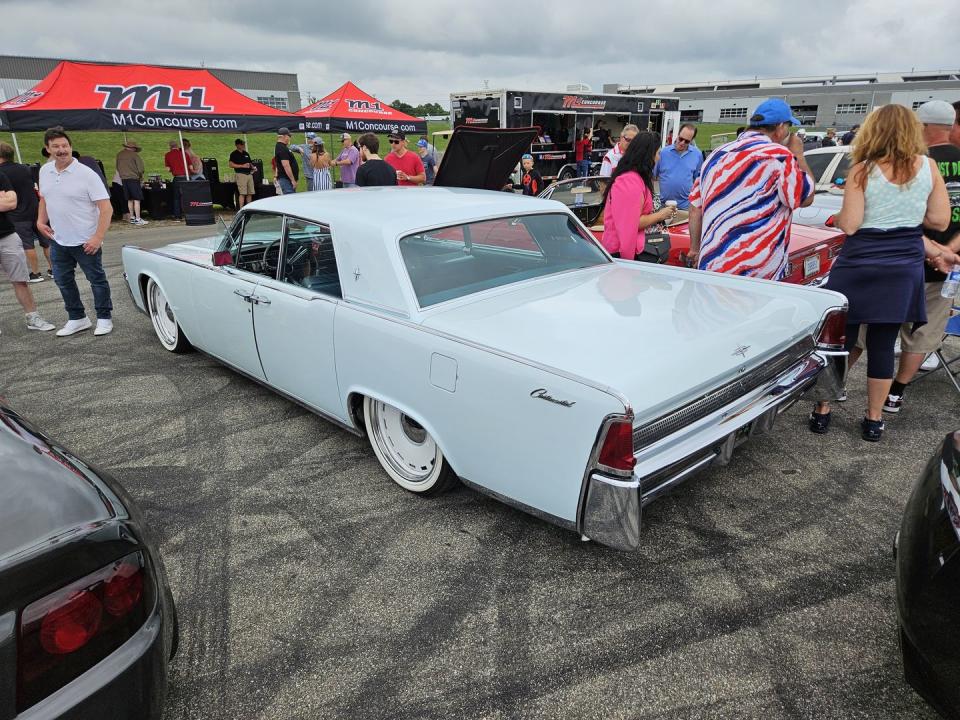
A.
pixel 459 260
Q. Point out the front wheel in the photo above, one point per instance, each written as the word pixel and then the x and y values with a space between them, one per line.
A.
pixel 410 456
pixel 567 173
pixel 165 324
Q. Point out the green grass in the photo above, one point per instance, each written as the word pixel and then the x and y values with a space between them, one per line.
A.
pixel 106 145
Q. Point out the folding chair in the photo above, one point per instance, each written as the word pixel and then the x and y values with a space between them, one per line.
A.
pixel 952 330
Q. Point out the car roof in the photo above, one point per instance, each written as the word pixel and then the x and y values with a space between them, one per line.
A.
pixel 366 223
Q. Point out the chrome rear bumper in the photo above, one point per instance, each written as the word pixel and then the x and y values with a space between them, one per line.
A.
pixel 613 506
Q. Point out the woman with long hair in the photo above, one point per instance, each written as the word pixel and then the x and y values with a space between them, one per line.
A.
pixel 628 199
pixel 893 190
pixel 320 162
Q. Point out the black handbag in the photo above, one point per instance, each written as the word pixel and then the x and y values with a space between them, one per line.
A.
pixel 656 249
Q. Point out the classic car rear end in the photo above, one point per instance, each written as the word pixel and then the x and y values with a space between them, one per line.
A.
pixel 87 621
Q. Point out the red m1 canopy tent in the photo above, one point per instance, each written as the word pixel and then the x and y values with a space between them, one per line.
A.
pixel 89 96
pixel 350 108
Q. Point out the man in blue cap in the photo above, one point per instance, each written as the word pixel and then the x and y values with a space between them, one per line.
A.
pixel 742 202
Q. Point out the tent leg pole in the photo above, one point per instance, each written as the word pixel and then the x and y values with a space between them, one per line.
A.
pixel 183 153
pixel 16 146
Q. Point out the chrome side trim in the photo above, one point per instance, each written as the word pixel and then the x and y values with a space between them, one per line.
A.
pixel 286 396
pixel 536 512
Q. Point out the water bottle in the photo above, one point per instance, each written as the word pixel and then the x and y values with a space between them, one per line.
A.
pixel 952 284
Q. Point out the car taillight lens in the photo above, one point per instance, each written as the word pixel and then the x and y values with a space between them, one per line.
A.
pixel 830 221
pixel 833 331
pixel 616 453
pixel 64 634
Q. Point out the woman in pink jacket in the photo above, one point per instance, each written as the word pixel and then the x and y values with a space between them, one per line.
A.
pixel 628 199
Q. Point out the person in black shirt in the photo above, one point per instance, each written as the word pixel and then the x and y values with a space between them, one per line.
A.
pixel 243 166
pixel 531 181
pixel 938 118
pixel 24 217
pixel 373 170
pixel 12 260
pixel 288 172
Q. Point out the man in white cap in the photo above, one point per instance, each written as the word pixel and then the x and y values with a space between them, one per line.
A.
pixel 938 118
pixel 130 168
pixel 348 161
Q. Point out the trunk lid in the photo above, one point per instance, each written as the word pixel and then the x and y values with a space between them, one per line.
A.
pixel 660 336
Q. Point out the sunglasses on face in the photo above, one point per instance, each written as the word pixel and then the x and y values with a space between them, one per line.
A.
pixel 684 140
pixel 394 142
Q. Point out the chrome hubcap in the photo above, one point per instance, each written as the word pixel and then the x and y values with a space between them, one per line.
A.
pixel 162 316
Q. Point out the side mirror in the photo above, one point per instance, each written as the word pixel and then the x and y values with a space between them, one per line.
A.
pixel 222 257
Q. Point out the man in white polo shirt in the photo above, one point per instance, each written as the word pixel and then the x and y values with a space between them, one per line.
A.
pixel 612 158
pixel 75 213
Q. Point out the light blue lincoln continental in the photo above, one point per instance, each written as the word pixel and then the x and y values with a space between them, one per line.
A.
pixel 486 337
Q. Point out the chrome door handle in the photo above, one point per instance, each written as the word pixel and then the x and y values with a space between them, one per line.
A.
pixel 259 300
pixel 244 295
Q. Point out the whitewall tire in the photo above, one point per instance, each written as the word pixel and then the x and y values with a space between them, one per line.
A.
pixel 165 324
pixel 407 452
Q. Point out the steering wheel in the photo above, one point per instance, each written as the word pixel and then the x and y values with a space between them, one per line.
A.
pixel 270 262
pixel 266 259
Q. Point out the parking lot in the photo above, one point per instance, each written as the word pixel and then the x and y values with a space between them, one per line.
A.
pixel 310 586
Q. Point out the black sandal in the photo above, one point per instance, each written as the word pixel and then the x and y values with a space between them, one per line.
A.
pixel 872 430
pixel 819 422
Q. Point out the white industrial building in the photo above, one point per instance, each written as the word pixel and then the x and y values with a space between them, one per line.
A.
pixel 839 101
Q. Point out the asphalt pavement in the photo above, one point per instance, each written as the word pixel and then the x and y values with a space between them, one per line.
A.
pixel 310 586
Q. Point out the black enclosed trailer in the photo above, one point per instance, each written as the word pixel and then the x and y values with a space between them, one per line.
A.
pixel 561 117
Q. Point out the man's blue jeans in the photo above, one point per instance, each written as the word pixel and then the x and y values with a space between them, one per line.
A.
pixel 583 168
pixel 65 260
pixel 286 187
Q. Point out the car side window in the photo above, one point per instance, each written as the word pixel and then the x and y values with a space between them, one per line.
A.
pixel 259 248
pixel 818 163
pixel 843 167
pixel 309 259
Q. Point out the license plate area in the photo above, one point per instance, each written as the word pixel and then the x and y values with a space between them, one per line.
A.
pixel 811 265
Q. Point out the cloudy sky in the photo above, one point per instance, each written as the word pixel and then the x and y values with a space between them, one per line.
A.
pixel 422 51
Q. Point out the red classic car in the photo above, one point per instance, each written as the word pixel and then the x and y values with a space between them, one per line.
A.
pixel 812 249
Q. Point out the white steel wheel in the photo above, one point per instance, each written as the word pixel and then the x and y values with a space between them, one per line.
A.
pixel 164 323
pixel 406 450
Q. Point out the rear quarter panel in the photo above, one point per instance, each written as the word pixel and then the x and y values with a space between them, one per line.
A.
pixel 493 433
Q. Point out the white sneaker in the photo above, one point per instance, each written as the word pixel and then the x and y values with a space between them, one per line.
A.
pixel 103 327
pixel 35 322
pixel 74 326
pixel 931 362
pixel 141 221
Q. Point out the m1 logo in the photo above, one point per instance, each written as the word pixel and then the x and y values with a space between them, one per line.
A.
pixel 159 98
pixel 366 106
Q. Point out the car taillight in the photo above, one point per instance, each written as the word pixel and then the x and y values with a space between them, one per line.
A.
pixel 64 634
pixel 830 221
pixel 833 331
pixel 616 452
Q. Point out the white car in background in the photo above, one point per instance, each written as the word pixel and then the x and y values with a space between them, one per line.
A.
pixel 829 166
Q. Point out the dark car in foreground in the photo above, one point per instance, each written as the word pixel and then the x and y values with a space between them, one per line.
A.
pixel 87 620
pixel 928 581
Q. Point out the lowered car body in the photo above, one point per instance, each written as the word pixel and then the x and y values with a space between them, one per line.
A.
pixel 87 621
pixel 487 336
pixel 928 581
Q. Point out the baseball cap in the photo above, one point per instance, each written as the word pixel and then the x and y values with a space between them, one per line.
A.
pixel 773 112
pixel 526 156
pixel 421 143
pixel 345 136
pixel 284 131
pixel 937 112
pixel 311 135
pixel 239 141
pixel 397 135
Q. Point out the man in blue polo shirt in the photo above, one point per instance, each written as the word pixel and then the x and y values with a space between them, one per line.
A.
pixel 678 165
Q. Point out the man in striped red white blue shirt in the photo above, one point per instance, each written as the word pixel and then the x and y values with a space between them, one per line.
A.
pixel 742 203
